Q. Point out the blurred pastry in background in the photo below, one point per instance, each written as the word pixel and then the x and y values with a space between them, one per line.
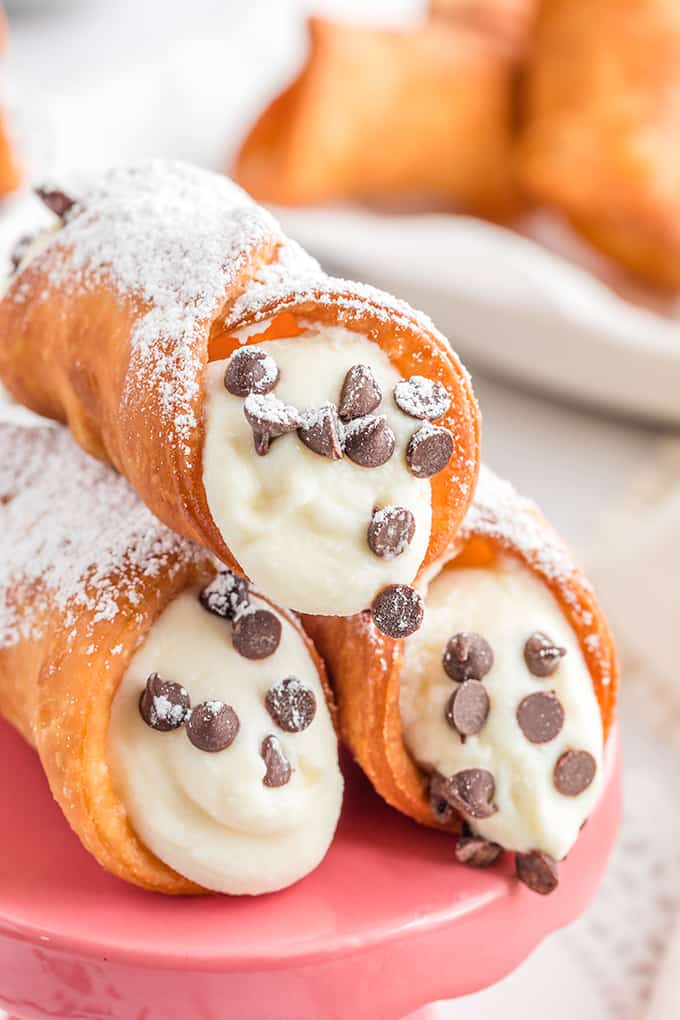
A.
pixel 509 19
pixel 423 114
pixel 602 127
pixel 11 174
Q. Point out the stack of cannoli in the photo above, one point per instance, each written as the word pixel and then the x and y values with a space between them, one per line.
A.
pixel 252 434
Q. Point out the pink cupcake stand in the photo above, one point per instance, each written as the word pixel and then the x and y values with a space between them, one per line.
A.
pixel 387 924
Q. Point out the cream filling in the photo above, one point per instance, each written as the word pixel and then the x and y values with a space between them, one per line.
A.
pixel 505 604
pixel 297 521
pixel 209 815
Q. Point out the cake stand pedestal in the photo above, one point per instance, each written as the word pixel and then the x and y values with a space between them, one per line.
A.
pixel 387 924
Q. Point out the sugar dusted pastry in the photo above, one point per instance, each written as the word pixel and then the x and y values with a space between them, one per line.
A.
pixel 275 415
pixel 181 718
pixel 602 127
pixel 489 721
pixel 422 113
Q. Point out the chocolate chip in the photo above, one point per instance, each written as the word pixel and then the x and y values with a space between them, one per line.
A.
pixel 391 531
pixel 537 870
pixel 19 250
pixel 398 610
pixel 279 769
pixel 574 772
pixel 441 809
pixel 429 451
pixel 369 441
pixel 251 371
pixel 212 726
pixel 542 655
pixel 226 595
pixel 468 708
pixel 163 705
pixel 422 398
pixel 269 418
pixel 471 792
pixel 477 852
pixel 57 201
pixel 322 432
pixel 360 393
pixel 540 716
pixel 468 656
pixel 256 634
pixel 291 705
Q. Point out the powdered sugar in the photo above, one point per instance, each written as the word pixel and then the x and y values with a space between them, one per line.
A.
pixel 73 533
pixel 267 407
pixel 176 239
pixel 165 711
pixel 182 243
pixel 501 513
pixel 421 397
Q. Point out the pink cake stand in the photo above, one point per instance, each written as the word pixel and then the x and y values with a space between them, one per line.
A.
pixel 388 923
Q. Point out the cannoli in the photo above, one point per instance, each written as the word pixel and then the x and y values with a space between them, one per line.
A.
pixel 602 125
pixel 491 720
pixel 182 720
pixel 281 418
pixel 422 114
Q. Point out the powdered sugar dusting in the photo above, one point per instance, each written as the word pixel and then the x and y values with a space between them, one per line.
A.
pixel 296 278
pixel 176 238
pixel 179 240
pixel 270 408
pixel 72 531
pixel 501 513
pixel 421 397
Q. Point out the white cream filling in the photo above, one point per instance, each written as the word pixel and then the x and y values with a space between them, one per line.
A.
pixel 505 604
pixel 297 521
pixel 34 248
pixel 209 815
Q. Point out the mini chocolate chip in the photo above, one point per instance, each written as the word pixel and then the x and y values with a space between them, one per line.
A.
pixel 398 610
pixel 422 398
pixel 212 726
pixel 19 250
pixel 256 634
pixel 291 705
pixel 471 792
pixel 251 370
pixel 429 451
pixel 163 705
pixel 360 393
pixel 56 201
pixel 542 655
pixel 279 769
pixel 574 772
pixel 322 432
pixel 391 531
pixel 477 852
pixel 226 595
pixel 269 418
pixel 537 870
pixel 468 708
pixel 540 716
pixel 468 656
pixel 441 809
pixel 369 441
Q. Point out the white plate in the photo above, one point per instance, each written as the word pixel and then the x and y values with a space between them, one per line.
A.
pixel 511 305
